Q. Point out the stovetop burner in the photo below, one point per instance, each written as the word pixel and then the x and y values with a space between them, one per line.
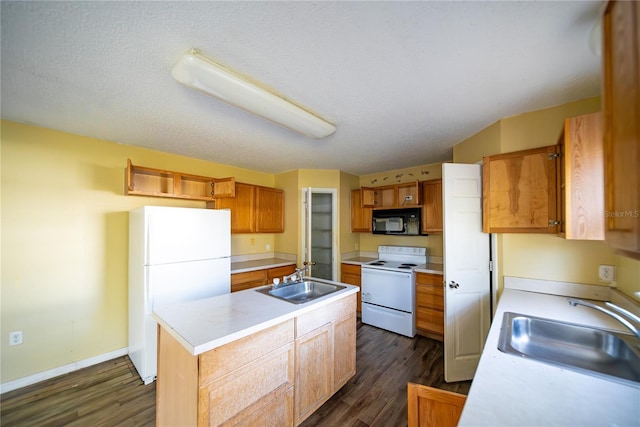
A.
pixel 398 258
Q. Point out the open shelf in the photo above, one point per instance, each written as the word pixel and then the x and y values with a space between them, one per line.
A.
pixel 151 182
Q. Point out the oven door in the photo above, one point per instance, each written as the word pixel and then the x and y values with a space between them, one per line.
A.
pixel 392 289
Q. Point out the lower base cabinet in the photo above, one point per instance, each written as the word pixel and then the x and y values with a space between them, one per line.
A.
pixel 430 305
pixel 275 377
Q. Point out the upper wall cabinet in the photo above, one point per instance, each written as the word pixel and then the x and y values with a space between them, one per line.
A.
pixel 144 181
pixel 360 216
pixel 621 105
pixel 432 206
pixel 392 196
pixel 519 192
pixel 581 179
pixel 254 209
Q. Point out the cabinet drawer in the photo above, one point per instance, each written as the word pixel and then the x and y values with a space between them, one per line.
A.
pixel 351 279
pixel 314 319
pixel 350 269
pixel 429 279
pixel 250 279
pixel 280 271
pixel 223 360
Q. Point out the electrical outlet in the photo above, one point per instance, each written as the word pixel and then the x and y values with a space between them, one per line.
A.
pixel 15 338
pixel 607 273
pixel 268 247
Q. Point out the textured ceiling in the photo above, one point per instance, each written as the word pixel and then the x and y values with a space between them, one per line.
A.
pixel 403 81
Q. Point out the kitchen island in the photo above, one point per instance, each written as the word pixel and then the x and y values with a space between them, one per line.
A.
pixel 508 390
pixel 249 358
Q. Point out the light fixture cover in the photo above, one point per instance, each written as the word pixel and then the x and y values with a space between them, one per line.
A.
pixel 204 75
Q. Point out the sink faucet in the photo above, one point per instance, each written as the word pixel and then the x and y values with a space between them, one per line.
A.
pixel 618 317
pixel 298 274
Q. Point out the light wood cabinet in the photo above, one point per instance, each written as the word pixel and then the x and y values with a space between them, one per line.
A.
pixel 430 305
pixel 428 406
pixel 621 107
pixel 152 182
pixel 519 192
pixel 325 354
pixel 581 179
pixel 269 210
pixel 352 274
pixel 256 278
pixel 432 206
pixel 254 209
pixel 360 216
pixel 392 196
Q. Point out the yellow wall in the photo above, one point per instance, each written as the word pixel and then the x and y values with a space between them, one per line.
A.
pixel 536 255
pixel 65 242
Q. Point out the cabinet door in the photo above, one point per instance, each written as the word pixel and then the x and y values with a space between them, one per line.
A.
pixel 621 102
pixel 432 206
pixel 269 210
pixel 430 305
pixel 242 208
pixel 351 274
pixel 581 179
pixel 344 351
pixel 314 366
pixel 360 216
pixel 519 192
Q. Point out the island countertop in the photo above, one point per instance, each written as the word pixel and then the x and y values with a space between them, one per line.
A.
pixel 209 323
pixel 515 391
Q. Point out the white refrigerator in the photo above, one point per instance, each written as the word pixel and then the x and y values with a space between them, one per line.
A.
pixel 175 255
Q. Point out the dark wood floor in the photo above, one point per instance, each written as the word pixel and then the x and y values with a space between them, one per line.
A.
pixel 112 394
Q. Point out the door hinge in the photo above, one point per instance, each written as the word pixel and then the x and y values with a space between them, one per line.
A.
pixel 490 265
pixel 554 156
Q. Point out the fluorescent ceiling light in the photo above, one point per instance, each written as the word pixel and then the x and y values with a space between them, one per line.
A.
pixel 204 75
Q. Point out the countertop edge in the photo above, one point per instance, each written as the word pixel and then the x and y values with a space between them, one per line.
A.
pixel 287 311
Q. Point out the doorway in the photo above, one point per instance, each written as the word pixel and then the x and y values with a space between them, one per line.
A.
pixel 320 231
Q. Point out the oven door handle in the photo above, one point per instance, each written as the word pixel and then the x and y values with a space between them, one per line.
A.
pixel 380 272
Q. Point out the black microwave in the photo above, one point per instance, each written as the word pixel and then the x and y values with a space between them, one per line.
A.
pixel 404 222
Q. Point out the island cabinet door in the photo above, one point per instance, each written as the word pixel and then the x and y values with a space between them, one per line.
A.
pixel 344 350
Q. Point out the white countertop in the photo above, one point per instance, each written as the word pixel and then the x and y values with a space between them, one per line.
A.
pixel 431 268
pixel 508 390
pixel 209 323
pixel 259 264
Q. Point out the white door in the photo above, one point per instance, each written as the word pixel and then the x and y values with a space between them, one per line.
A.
pixel 319 231
pixel 466 271
pixel 186 234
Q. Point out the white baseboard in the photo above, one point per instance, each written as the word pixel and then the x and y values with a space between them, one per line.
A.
pixel 52 373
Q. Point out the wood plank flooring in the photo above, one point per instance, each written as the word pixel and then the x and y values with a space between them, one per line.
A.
pixel 112 394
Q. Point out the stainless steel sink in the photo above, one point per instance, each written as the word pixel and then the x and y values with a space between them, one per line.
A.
pixel 587 350
pixel 301 292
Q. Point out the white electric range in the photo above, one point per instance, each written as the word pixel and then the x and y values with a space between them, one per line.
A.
pixel 388 288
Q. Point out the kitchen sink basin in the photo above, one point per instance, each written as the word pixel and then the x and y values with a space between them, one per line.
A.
pixel 301 292
pixel 587 350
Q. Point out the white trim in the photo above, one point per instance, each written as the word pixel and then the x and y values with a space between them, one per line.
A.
pixel 494 273
pixel 552 287
pixel 334 224
pixel 52 373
